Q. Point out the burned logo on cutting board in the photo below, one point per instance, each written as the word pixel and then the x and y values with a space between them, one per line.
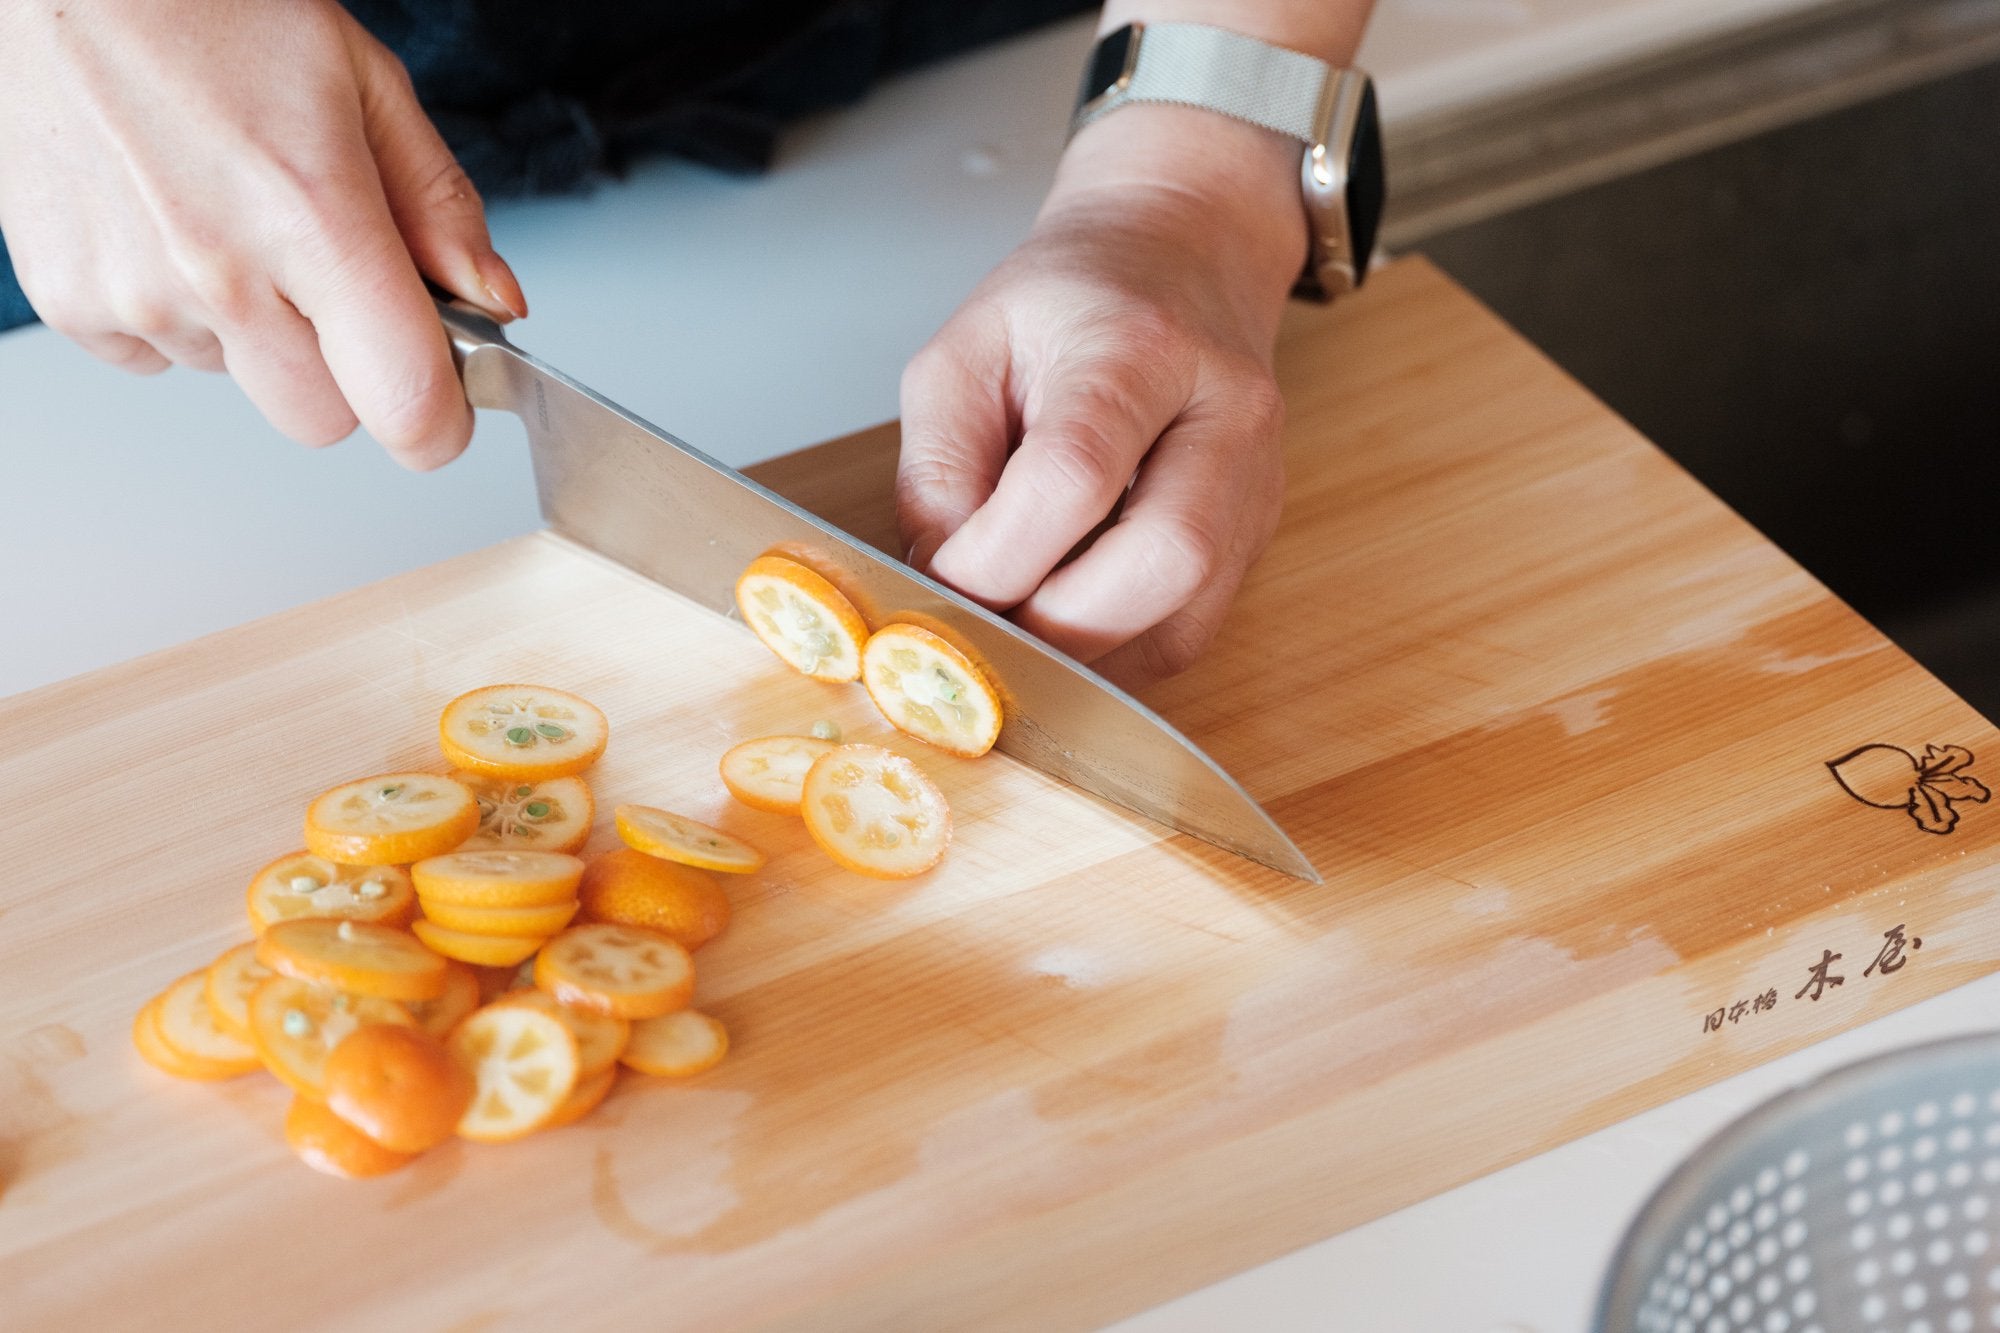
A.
pixel 1928 789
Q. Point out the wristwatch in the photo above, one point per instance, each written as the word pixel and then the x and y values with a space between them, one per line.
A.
pixel 1331 111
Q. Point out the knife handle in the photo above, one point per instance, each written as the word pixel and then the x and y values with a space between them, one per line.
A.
pixel 482 354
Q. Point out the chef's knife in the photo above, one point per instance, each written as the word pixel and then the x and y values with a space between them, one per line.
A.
pixel 634 493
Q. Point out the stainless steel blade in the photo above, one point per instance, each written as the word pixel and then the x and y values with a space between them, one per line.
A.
pixel 634 493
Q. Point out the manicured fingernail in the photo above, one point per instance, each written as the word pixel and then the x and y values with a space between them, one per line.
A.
pixel 500 284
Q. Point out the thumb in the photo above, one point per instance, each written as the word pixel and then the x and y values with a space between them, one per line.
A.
pixel 955 436
pixel 433 202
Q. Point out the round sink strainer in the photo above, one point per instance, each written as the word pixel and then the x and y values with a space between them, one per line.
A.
pixel 1866 1201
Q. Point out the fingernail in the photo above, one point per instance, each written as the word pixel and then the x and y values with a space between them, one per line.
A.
pixel 501 285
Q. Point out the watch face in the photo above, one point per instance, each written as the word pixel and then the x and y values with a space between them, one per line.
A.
pixel 1110 63
pixel 1367 185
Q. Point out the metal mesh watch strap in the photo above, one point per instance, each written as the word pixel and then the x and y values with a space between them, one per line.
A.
pixel 1195 65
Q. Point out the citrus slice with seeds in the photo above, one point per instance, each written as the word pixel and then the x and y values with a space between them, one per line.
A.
pixel 549 815
pixel 355 957
pixel 228 985
pixel 629 888
pixel 398 1085
pixel 875 812
pixel 802 618
pixel 295 1024
pixel 498 878
pixel 927 689
pixel 598 1039
pixel 767 773
pixel 523 1064
pixel 154 1050
pixel 392 819
pixel 590 1092
pixel 525 732
pixel 514 922
pixel 673 837
pixel 461 997
pixel 676 1045
pixel 326 1143
pixel 302 885
pixel 482 950
pixel 621 971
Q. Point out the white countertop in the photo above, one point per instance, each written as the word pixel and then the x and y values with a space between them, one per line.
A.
pixel 754 317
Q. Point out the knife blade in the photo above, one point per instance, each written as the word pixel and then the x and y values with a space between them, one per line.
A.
pixel 630 491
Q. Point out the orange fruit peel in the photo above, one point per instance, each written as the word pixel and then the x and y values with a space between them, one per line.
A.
pixel 673 837
pixel 801 617
pixel 768 773
pixel 676 1045
pixel 302 885
pixel 514 922
pixel 616 970
pixel 295 1025
pixel 482 950
pixel 398 1085
pixel 505 878
pixel 391 819
pixel 523 1064
pixel 528 733
pixel 627 887
pixel 549 815
pixel 354 956
pixel 928 689
pixel 326 1143
pixel 875 812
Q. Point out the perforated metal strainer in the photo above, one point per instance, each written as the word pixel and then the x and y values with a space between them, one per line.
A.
pixel 1866 1201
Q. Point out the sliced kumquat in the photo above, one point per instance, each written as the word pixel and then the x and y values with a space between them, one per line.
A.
pixel 516 922
pixel 802 618
pixel 497 879
pixel 769 772
pixel 391 819
pixel 590 1092
pixel 483 950
pixel 626 887
pixel 496 981
pixel 189 1029
pixel 325 1142
pixel 523 1064
pixel 306 885
pixel 875 812
pixel 673 837
pixel 397 1085
pixel 525 732
pixel 598 1039
pixel 549 815
pixel 354 956
pixel 296 1024
pixel 461 997
pixel 621 971
pixel 676 1045
pixel 228 985
pixel 928 689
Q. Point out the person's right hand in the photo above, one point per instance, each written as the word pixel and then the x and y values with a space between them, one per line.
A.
pixel 250 186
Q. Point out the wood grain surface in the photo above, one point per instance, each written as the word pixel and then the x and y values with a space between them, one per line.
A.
pixel 1553 722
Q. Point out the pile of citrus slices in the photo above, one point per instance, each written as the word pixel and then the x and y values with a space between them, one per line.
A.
pixel 510 1004
pixel 439 961
pixel 871 810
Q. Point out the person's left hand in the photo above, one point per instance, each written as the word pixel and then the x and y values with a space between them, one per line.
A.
pixel 1130 334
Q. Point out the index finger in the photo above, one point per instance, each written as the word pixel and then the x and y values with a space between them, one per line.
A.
pixel 381 337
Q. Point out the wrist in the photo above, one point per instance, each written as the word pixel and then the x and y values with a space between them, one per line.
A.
pixel 1235 184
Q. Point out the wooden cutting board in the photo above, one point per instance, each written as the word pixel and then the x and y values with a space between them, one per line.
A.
pixel 1553 722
